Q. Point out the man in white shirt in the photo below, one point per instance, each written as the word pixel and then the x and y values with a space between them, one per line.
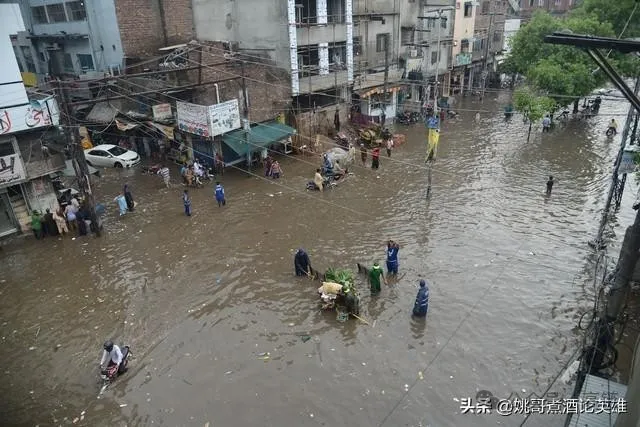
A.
pixel 113 354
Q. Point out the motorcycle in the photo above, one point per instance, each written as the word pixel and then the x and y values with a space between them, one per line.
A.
pixel 404 118
pixel 342 140
pixel 112 372
pixel 611 132
pixel 329 181
pixel 150 170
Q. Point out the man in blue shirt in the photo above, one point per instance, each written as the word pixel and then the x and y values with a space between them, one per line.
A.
pixel 220 194
pixel 421 305
pixel 392 257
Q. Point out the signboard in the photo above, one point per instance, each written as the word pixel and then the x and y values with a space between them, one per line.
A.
pixel 11 169
pixel 463 59
pixel 162 112
pixel 224 117
pixel 627 163
pixel 35 115
pixel 193 118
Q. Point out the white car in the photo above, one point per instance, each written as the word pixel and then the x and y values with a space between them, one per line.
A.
pixel 111 156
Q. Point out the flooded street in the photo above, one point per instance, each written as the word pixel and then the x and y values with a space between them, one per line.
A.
pixel 198 299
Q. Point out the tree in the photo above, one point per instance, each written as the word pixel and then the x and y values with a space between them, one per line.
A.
pixel 618 13
pixel 563 73
pixel 532 106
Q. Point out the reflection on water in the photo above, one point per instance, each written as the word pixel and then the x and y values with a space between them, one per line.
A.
pixel 199 298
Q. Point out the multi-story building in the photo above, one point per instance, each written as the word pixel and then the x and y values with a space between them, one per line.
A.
pixel 558 7
pixel 488 39
pixel 463 33
pixel 437 40
pixel 26 123
pixel 71 38
pixel 311 40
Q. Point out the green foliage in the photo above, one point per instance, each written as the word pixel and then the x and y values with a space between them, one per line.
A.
pixel 564 73
pixel 532 106
pixel 617 12
pixel 343 277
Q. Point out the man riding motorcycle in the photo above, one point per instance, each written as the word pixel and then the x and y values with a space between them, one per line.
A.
pixel 613 127
pixel 113 354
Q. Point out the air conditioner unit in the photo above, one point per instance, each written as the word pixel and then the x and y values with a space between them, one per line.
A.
pixel 413 53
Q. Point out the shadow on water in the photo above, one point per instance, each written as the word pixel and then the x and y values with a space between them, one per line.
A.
pixel 200 298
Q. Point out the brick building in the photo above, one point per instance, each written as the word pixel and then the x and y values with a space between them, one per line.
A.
pixel 146 26
pixel 528 7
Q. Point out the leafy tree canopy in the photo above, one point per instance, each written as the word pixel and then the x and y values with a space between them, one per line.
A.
pixel 617 12
pixel 561 72
pixel 533 106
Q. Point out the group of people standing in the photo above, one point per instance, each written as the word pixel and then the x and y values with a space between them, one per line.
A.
pixel 375 275
pixel 272 168
pixel 218 192
pixel 73 218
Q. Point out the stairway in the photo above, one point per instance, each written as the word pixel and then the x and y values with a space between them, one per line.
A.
pixel 21 212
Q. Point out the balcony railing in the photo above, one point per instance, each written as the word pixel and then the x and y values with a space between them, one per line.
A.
pixel 45 165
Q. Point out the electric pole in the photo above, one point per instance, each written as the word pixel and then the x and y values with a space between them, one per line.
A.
pixel 386 79
pixel 486 50
pixel 245 112
pixel 438 21
pixel 78 160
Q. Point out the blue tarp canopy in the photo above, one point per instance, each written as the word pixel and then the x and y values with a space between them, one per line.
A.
pixel 260 136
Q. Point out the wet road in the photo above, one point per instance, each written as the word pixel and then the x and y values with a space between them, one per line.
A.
pixel 199 298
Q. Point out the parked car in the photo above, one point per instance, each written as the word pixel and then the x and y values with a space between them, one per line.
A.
pixel 111 156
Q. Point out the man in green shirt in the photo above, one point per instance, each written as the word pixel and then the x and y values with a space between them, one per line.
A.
pixel 36 224
pixel 375 274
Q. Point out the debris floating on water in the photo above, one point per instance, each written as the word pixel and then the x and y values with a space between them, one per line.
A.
pixel 420 375
pixel 227 373
pixel 122 405
pixel 305 338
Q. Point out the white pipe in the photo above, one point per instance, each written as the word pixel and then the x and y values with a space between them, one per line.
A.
pixel 217 93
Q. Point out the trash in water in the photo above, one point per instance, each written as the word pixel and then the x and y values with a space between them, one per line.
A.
pixel 264 354
pixel 311 415
pixel 32 348
pixel 265 358
pixel 305 338
pixel 420 375
pixel 76 419
pixel 122 405
pixel 228 373
pixel 292 324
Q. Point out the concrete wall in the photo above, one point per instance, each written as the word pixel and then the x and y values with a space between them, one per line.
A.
pixel 255 24
pixel 463 28
pixel 12 91
pixel 268 86
pixel 143 31
pixel 105 40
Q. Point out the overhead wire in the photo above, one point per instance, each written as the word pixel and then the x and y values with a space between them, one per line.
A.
pixel 260 60
pixel 296 158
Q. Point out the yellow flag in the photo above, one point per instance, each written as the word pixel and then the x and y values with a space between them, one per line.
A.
pixel 433 138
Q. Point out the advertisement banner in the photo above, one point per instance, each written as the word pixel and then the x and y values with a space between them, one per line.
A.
pixel 193 118
pixel 224 117
pixel 433 138
pixel 11 169
pixel 627 163
pixel 36 114
pixel 162 112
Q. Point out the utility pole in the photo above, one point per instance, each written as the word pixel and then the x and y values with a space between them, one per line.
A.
pixel 438 21
pixel 245 112
pixel 597 242
pixel 386 79
pixel 486 50
pixel 79 162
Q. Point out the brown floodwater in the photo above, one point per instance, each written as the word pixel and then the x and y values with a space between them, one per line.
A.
pixel 199 298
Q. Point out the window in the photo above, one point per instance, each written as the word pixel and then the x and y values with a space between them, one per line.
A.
pixel 357 46
pixel 98 153
pixel 15 52
pixel 431 22
pixel 464 45
pixel 75 11
pixel 468 9
pixel 39 15
pixel 497 36
pixel 56 13
pixel 42 56
pixel 68 63
pixel 381 42
pixel 434 57
pixel 28 59
pixel 485 7
pixel 306 12
pixel 558 2
pixel 117 151
pixel 406 36
pixel 6 149
pixel 443 22
pixel 86 61
pixel 541 3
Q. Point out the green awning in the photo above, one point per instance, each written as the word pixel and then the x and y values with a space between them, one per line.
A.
pixel 260 136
